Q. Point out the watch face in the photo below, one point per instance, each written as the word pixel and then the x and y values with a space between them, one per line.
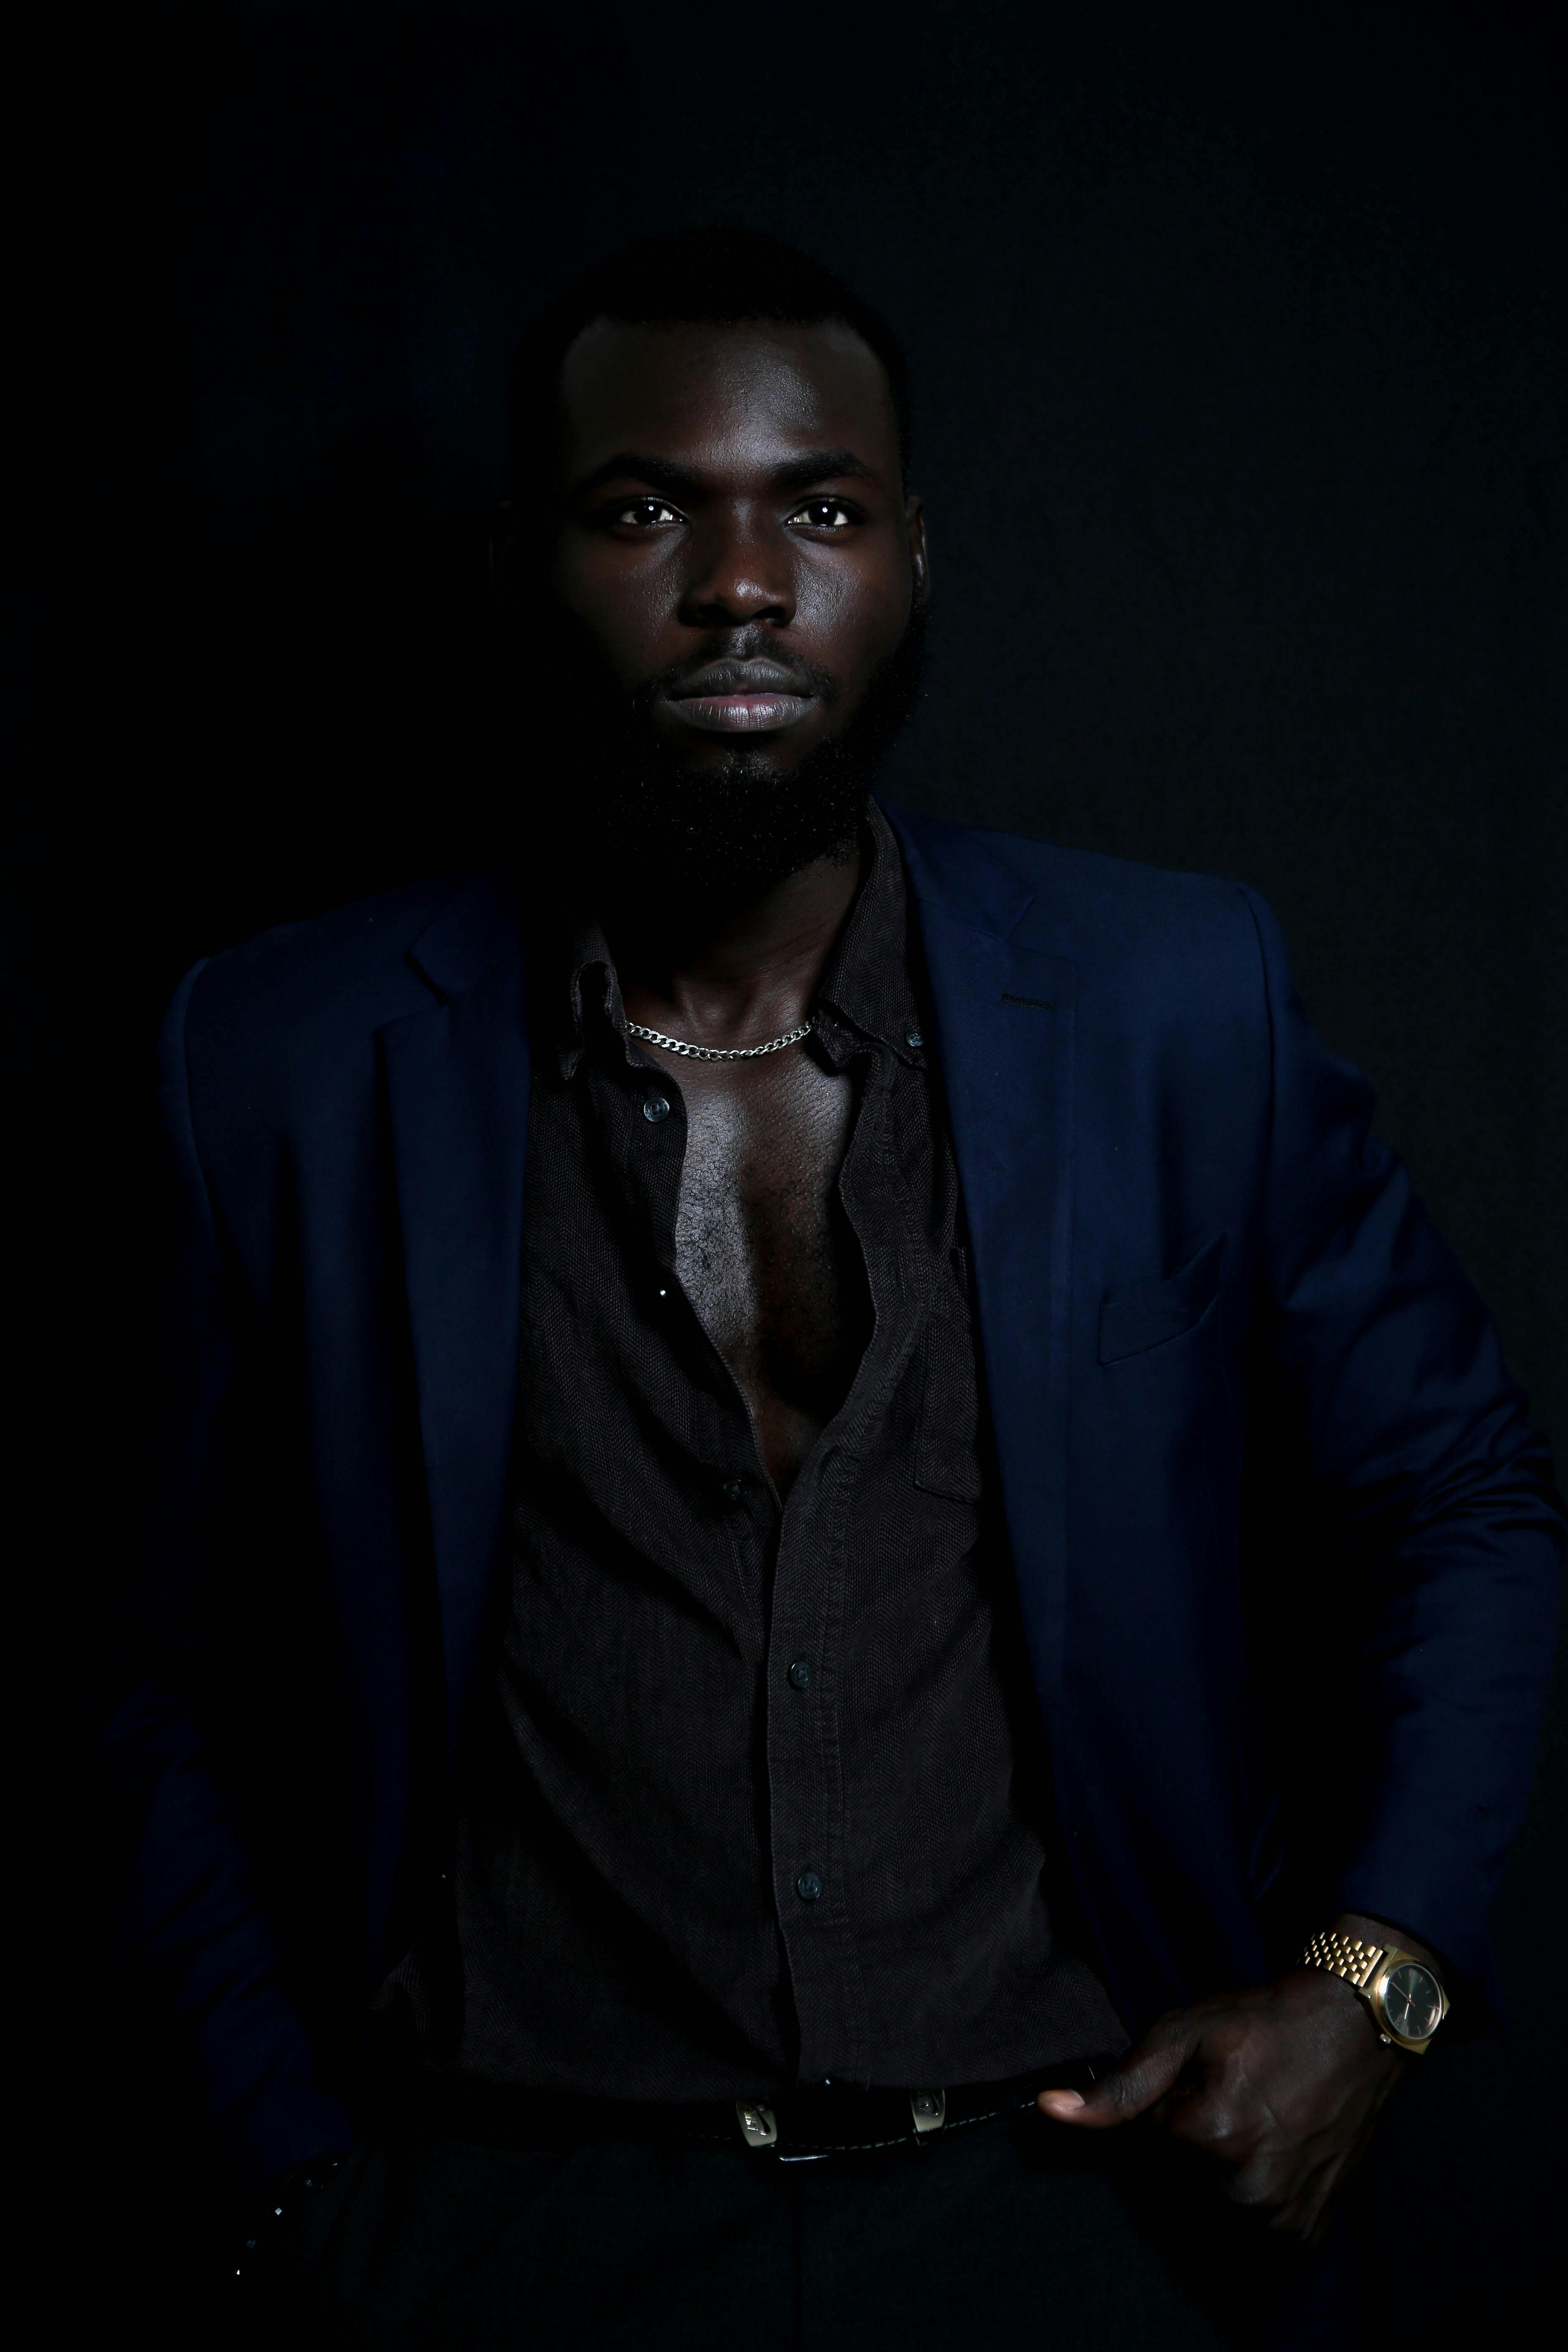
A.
pixel 1412 2001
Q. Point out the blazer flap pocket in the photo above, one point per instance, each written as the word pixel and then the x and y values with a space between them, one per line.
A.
pixel 1165 1310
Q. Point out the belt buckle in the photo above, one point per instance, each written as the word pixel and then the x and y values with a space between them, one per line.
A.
pixel 929 2109
pixel 759 2124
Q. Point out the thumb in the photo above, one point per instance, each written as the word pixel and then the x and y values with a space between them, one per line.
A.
pixel 1133 2086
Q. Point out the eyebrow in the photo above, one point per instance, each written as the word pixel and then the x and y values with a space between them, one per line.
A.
pixel 661 474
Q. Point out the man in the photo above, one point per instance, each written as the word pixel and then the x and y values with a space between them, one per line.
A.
pixel 729 1743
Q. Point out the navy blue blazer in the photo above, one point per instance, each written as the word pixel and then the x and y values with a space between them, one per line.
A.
pixel 1182 1237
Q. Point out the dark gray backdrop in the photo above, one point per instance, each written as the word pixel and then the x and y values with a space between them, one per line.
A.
pixel 1237 348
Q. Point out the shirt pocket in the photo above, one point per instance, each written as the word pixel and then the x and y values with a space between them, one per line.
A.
pixel 1147 1318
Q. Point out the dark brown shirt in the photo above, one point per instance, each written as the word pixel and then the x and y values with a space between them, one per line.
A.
pixel 758 1797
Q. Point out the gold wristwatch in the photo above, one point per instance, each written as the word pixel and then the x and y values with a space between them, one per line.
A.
pixel 1405 1995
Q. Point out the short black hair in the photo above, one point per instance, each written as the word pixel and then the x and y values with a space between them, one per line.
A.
pixel 694 276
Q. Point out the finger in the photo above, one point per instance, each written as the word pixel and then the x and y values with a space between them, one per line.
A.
pixel 1142 2078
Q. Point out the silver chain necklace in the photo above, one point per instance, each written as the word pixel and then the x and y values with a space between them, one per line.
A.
pixel 719 1053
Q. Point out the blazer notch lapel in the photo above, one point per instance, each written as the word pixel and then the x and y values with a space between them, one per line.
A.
pixel 1005 1018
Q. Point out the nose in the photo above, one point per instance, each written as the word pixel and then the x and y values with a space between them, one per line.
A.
pixel 739 575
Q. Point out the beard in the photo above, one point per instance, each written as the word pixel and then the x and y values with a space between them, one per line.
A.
pixel 643 819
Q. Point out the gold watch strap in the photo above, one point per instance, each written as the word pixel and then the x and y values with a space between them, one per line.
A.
pixel 1344 1955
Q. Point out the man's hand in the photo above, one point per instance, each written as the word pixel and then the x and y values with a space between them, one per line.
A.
pixel 1280 2083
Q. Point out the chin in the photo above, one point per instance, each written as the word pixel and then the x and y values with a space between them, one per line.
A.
pixel 750 764
pixel 739 822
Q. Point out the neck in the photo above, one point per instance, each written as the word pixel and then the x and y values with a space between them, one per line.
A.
pixel 726 972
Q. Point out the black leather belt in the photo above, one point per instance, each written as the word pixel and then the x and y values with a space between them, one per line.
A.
pixel 835 2119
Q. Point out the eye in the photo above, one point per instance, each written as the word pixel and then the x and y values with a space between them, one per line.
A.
pixel 646 514
pixel 827 514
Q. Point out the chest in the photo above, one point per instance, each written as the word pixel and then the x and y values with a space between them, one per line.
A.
pixel 763 1247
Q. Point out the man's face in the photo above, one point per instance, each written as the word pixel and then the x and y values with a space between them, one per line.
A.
pixel 735 550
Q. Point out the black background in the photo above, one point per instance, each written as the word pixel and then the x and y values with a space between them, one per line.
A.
pixel 1237 337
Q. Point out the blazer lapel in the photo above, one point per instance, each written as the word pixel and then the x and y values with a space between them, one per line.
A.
pixel 456 1078
pixel 1004 1016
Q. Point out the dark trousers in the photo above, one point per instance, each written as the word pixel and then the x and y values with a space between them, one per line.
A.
pixel 1009 2231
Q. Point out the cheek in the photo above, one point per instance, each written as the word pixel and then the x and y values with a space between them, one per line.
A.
pixel 622 604
pixel 862 610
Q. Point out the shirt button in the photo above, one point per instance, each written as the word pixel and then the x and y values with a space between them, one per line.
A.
pixel 734 1490
pixel 654 1108
pixel 914 1041
pixel 800 1674
pixel 808 1887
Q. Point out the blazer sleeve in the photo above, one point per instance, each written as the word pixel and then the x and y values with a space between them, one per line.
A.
pixel 1443 1488
pixel 190 1916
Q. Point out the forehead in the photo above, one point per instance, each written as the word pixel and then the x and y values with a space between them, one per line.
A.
pixel 728 398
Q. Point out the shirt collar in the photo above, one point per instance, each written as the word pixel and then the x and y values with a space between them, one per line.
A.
pixel 867 979
pixel 865 993
pixel 582 992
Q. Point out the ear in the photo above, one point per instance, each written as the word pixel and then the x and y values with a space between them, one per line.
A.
pixel 919 557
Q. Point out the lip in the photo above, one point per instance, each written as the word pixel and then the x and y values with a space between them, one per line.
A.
pixel 740 714
pixel 738 698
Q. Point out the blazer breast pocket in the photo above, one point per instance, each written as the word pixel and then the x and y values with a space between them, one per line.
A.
pixel 1146 1319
